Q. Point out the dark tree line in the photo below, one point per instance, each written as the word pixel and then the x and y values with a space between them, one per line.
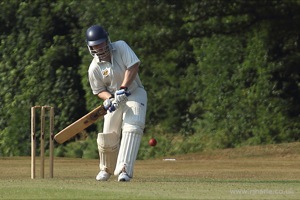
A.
pixel 224 72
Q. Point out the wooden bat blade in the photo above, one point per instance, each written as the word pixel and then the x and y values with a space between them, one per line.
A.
pixel 80 125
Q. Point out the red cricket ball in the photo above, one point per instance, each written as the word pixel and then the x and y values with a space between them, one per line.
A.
pixel 152 142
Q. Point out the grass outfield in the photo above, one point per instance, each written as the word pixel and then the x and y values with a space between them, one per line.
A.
pixel 264 172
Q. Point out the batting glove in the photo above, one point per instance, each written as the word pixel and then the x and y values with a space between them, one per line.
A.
pixel 121 95
pixel 110 105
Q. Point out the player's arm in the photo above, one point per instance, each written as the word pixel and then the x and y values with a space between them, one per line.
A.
pixel 120 96
pixel 108 101
pixel 130 75
pixel 104 95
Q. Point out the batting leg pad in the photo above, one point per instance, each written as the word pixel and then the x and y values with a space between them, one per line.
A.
pixel 108 146
pixel 129 148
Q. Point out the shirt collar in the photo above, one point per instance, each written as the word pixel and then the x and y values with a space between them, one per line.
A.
pixel 113 47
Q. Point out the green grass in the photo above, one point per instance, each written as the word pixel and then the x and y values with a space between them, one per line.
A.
pixel 268 172
pixel 87 189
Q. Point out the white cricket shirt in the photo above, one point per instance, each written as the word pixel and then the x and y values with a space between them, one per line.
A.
pixel 109 76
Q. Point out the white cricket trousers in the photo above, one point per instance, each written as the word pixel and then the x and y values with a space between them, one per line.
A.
pixel 128 121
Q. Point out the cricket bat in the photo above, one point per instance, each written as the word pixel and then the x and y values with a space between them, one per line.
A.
pixel 79 125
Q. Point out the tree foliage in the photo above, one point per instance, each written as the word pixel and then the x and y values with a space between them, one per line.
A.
pixel 225 71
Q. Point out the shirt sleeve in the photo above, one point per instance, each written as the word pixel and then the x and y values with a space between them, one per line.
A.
pixel 96 83
pixel 128 56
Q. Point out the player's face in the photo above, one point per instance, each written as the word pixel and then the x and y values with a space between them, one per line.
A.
pixel 101 50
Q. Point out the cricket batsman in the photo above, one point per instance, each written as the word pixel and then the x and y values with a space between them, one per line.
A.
pixel 113 77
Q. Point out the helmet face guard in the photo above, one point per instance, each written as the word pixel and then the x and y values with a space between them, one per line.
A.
pixel 102 51
pixel 98 42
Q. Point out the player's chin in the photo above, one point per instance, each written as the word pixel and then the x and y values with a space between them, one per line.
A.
pixel 105 57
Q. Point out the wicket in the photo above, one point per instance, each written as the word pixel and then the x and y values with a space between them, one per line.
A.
pixel 43 110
